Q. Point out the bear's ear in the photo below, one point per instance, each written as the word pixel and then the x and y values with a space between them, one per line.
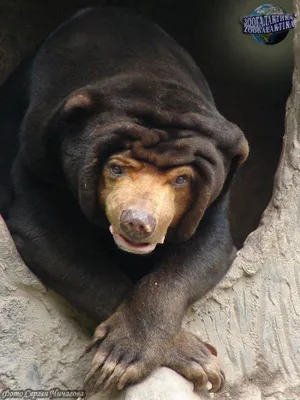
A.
pixel 75 108
pixel 235 155
pixel 243 150
pixel 81 100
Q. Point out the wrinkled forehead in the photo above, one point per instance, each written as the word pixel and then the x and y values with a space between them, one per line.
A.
pixel 164 145
pixel 151 160
pixel 126 159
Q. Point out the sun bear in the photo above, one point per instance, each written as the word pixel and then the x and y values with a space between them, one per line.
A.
pixel 115 173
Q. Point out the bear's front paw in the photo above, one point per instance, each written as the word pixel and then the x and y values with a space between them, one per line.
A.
pixel 124 354
pixel 195 360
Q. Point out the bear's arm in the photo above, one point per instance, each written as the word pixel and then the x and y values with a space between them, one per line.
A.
pixel 145 331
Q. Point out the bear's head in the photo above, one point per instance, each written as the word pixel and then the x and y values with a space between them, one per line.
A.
pixel 145 159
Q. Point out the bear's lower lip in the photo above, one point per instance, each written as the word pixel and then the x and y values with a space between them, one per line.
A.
pixel 126 245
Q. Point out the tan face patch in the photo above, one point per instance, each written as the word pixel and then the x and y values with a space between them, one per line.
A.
pixel 128 184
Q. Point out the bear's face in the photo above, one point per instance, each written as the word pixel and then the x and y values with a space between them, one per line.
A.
pixel 142 202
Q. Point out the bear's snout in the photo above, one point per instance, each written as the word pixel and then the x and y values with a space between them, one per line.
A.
pixel 137 225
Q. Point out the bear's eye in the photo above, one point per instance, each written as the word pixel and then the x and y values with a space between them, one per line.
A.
pixel 116 170
pixel 181 180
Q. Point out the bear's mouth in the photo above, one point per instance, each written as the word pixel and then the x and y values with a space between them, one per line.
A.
pixel 131 247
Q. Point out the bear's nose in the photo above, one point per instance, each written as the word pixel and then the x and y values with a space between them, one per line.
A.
pixel 136 224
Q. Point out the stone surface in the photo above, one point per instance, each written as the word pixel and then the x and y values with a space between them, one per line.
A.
pixel 40 340
pixel 253 317
pixel 162 384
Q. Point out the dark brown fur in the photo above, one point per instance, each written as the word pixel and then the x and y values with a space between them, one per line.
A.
pixel 109 82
